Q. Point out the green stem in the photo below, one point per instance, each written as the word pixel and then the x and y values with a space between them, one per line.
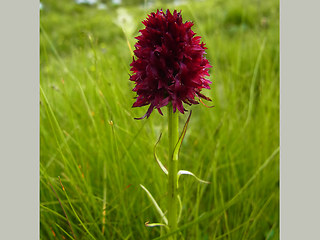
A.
pixel 173 131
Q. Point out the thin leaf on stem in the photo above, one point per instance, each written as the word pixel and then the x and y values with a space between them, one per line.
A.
pixel 178 145
pixel 155 204
pixel 163 168
pixel 185 172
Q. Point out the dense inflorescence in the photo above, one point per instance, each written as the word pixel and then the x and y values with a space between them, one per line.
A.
pixel 170 65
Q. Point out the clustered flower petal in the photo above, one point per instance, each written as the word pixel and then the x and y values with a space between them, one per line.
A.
pixel 170 65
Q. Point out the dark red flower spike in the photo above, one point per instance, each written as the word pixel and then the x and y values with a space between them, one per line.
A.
pixel 170 65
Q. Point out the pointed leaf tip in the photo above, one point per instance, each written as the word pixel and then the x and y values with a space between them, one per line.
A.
pixel 163 168
pixel 185 172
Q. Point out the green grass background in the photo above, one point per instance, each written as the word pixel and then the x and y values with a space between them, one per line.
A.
pixel 90 140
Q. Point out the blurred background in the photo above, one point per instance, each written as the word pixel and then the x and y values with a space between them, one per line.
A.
pixel 94 155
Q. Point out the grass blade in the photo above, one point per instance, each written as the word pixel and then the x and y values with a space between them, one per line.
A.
pixel 147 224
pixel 75 213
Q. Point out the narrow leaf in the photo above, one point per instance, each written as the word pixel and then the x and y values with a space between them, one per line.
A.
pixel 155 204
pixel 180 208
pixel 178 145
pixel 156 157
pixel 184 172
pixel 147 224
